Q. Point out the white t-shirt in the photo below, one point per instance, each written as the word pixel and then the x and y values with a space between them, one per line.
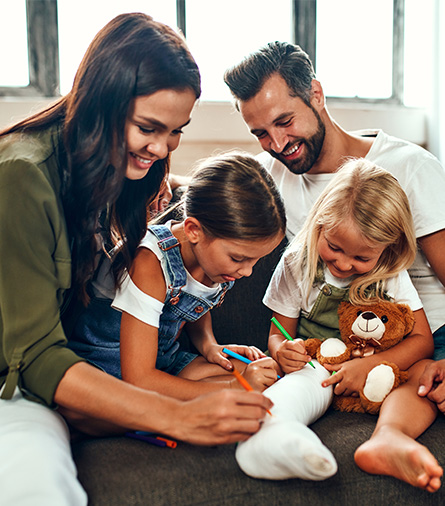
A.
pixel 421 176
pixel 285 296
pixel 132 300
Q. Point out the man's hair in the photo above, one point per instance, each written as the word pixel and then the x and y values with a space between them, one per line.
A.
pixel 287 60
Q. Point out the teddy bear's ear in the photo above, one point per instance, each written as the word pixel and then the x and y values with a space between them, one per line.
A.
pixel 409 317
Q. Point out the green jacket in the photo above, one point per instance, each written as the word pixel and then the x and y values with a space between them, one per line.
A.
pixel 35 267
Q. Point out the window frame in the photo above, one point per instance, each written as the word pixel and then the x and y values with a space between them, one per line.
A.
pixel 305 34
pixel 43 52
pixel 43 49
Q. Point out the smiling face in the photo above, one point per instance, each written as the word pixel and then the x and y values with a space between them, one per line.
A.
pixel 154 126
pixel 346 252
pixel 286 127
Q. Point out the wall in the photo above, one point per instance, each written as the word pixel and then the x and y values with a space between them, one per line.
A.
pixel 217 126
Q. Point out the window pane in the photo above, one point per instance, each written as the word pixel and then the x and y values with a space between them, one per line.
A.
pixel 80 20
pixel 220 34
pixel 354 47
pixel 14 44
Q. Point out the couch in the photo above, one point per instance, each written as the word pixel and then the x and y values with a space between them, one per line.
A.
pixel 119 471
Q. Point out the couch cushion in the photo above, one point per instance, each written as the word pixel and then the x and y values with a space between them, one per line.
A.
pixel 121 471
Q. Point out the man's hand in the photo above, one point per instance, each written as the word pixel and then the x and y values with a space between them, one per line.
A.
pixel 432 383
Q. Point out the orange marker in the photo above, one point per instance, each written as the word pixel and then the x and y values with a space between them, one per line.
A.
pixel 168 442
pixel 244 383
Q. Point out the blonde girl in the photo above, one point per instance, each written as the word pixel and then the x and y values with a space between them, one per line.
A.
pixel 356 245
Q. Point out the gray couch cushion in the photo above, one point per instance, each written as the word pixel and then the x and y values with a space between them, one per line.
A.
pixel 122 471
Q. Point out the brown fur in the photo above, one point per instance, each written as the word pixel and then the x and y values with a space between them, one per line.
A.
pixel 400 321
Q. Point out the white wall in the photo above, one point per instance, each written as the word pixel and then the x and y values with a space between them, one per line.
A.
pixel 216 126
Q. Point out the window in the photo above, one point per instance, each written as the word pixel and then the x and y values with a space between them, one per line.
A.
pixel 220 34
pixel 83 29
pixel 40 77
pixel 358 61
pixel 362 50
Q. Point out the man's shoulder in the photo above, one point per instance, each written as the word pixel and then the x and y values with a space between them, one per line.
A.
pixel 392 152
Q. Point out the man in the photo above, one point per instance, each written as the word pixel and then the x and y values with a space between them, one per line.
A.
pixel 284 107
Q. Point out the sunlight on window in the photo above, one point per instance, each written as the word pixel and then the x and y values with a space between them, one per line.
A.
pixel 14 44
pixel 220 34
pixel 79 22
pixel 354 47
pixel 354 41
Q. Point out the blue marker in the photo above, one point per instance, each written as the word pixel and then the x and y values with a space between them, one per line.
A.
pixel 239 357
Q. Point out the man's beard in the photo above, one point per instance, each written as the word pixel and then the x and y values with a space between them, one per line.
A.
pixel 313 148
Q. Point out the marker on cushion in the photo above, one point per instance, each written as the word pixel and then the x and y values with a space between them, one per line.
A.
pixel 285 334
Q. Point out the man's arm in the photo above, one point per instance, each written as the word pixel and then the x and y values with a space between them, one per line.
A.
pixel 433 246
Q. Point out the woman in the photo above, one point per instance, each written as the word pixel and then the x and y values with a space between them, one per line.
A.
pixel 76 179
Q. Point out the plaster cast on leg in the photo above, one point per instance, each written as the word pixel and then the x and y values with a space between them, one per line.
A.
pixel 285 447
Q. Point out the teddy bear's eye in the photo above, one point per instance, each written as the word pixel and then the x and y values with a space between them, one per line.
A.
pixel 359 313
pixel 384 318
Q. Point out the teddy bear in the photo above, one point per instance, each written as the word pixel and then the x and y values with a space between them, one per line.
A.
pixel 365 330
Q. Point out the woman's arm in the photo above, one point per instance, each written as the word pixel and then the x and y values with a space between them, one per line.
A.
pixel 88 398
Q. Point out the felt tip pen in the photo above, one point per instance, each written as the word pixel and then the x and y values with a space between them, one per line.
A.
pixel 157 441
pixel 169 442
pixel 285 333
pixel 239 357
pixel 245 384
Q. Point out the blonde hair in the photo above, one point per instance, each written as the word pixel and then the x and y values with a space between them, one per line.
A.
pixel 374 200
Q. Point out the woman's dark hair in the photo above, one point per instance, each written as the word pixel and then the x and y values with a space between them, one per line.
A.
pixel 234 197
pixel 133 55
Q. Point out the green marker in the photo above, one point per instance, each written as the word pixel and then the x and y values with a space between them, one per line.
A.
pixel 285 334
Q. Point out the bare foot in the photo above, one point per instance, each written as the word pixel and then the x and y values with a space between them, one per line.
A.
pixel 393 453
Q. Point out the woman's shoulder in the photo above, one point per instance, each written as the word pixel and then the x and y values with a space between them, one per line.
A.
pixel 30 155
pixel 34 147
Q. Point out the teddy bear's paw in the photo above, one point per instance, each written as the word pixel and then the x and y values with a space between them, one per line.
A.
pixel 284 449
pixel 379 382
pixel 332 347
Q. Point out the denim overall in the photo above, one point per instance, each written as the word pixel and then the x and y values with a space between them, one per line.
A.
pixel 96 335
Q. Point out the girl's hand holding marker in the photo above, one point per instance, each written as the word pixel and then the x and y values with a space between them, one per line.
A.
pixel 285 334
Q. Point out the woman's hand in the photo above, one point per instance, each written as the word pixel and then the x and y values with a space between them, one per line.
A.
pixel 222 417
pixel 292 356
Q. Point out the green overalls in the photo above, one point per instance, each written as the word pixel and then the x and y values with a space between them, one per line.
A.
pixel 322 321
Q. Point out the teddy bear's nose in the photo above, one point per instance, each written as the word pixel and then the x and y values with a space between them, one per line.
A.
pixel 368 315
